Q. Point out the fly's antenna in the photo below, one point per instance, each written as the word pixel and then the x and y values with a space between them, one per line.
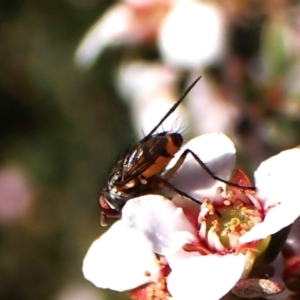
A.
pixel 172 109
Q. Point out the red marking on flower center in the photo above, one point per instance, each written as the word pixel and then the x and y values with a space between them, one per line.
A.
pixel 153 291
pixel 244 247
pixel 239 177
pixel 203 250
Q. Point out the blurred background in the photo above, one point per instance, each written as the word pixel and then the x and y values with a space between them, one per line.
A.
pixel 82 79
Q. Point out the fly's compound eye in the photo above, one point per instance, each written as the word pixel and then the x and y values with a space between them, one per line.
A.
pixel 107 210
pixel 177 139
pixel 103 203
pixel 109 205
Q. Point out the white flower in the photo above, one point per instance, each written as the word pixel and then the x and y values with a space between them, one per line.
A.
pixel 208 251
pixel 125 247
pixel 277 182
pixel 192 35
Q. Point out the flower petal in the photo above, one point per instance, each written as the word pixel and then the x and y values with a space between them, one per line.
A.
pixel 206 101
pixel 205 277
pixel 160 220
pixel 217 151
pixel 121 259
pixel 277 181
pixel 111 28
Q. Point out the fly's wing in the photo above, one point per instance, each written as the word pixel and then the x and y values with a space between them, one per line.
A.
pixel 142 157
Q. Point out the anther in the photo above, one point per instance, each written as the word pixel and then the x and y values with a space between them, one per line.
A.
pixel 202 230
pixel 219 190
pixel 227 202
pixel 217 243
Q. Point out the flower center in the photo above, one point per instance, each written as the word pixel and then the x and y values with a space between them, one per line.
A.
pixel 222 222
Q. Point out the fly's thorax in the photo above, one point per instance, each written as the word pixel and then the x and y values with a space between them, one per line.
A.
pixel 175 141
pixel 172 143
pixel 175 138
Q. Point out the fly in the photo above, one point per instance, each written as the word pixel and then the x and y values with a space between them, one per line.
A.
pixel 140 171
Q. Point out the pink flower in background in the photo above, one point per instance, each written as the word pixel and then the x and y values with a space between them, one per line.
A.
pixel 15 195
pixel 187 251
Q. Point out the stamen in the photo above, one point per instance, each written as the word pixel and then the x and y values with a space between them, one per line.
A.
pixel 233 239
pixel 255 202
pixel 218 199
pixel 206 208
pixel 219 190
pixel 202 230
pixel 227 202
pixel 210 238
pixel 203 212
pixel 217 243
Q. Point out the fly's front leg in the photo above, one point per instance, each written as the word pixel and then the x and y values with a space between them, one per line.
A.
pixel 181 159
pixel 181 193
pixel 163 182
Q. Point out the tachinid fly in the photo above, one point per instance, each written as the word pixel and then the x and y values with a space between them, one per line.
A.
pixel 140 171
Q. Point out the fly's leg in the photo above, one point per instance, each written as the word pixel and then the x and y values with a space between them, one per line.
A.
pixel 181 159
pixel 103 219
pixel 181 193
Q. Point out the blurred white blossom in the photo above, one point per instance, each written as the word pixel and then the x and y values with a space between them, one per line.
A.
pixel 189 34
pixel 127 22
pixel 192 35
pixel 150 90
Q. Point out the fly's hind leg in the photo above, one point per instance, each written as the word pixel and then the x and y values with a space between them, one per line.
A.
pixel 181 159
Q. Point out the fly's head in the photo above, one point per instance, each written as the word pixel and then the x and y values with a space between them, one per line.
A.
pixel 110 206
pixel 114 196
